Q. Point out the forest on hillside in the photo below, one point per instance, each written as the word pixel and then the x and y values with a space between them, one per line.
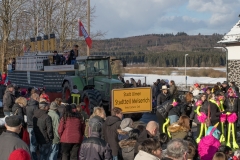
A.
pixel 164 50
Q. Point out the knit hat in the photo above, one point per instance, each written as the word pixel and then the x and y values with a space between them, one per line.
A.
pixel 126 124
pixel 43 104
pixel 13 121
pixel 53 106
pixel 95 125
pixel 19 154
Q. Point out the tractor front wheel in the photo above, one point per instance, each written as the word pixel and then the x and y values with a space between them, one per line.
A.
pixel 92 98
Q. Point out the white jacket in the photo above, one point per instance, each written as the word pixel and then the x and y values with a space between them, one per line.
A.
pixel 145 156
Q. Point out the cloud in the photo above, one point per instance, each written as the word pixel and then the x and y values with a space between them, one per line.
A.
pixel 125 18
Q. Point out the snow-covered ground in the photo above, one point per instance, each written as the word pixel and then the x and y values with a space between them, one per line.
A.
pixel 179 80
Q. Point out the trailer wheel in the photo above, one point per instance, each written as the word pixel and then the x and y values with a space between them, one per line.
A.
pixel 92 98
pixel 66 93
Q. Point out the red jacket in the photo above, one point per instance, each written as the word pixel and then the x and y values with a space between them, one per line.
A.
pixel 71 131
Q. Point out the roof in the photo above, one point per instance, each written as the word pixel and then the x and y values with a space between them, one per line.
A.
pixel 233 36
pixel 91 57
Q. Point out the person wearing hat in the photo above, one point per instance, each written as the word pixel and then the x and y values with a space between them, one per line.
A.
pixel 126 126
pixel 94 147
pixel 10 140
pixel 163 96
pixel 225 87
pixel 53 113
pixel 196 90
pixel 8 100
pixel 43 129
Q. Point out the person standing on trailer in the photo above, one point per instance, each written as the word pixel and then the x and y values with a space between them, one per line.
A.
pixel 74 54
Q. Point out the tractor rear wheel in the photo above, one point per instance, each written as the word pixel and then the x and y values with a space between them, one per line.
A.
pixel 92 98
pixel 66 92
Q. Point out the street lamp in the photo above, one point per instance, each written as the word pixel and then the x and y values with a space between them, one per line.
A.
pixel 186 69
pixel 36 21
pixel 226 50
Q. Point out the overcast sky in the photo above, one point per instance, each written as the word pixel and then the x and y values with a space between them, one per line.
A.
pixel 125 18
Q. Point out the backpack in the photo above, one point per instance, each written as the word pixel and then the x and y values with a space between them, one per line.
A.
pixel 162 109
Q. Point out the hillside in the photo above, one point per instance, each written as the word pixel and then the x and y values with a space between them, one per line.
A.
pixel 164 50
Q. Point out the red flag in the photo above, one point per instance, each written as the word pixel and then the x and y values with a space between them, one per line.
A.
pixel 83 32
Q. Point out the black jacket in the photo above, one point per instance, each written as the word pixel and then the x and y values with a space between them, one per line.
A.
pixel 11 141
pixel 73 55
pixel 95 148
pixel 204 109
pixel 232 105
pixel 42 127
pixel 214 112
pixel 57 59
pixel 161 98
pixel 156 90
pixel 177 110
pixel 8 101
pixel 19 111
pixel 2 90
pixel 31 107
pixel 110 133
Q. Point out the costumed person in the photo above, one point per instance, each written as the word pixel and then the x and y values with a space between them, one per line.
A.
pixel 214 110
pixel 209 144
pixel 196 114
pixel 223 116
pixel 232 108
pixel 201 118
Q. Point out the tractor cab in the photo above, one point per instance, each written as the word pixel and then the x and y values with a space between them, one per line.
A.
pixel 92 66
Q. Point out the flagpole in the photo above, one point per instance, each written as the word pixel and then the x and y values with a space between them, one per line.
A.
pixel 88 22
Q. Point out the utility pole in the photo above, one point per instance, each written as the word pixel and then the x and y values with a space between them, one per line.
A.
pixel 88 23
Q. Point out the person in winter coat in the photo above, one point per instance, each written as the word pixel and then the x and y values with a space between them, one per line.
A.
pixel 174 110
pixel 32 106
pixel 150 149
pixel 20 110
pixel 126 127
pixel 157 86
pixel 196 90
pixel 180 129
pixel 53 113
pixel 204 109
pixel 94 147
pixel 98 113
pixel 110 127
pixel 189 104
pixel 173 89
pixel 224 87
pixel 176 149
pixel 163 96
pixel 70 130
pixel 10 140
pixel 128 145
pixel 150 131
pixel 214 110
pixel 232 105
pixel 8 100
pixel 42 127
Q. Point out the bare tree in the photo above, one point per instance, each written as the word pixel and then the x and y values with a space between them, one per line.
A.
pixel 8 11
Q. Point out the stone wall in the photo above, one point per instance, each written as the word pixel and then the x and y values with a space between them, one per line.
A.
pixel 234 71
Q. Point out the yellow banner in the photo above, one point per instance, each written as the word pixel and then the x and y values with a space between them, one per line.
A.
pixel 133 100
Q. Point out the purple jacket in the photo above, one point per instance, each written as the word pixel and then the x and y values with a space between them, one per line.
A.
pixel 95 148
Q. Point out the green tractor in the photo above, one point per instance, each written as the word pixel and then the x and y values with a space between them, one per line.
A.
pixel 93 78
